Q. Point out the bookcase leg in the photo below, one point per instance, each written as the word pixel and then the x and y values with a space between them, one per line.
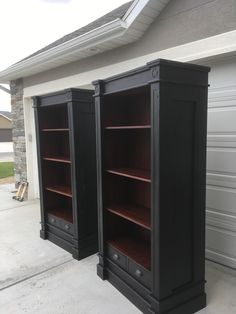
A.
pixel 43 235
pixel 76 255
pixel 101 272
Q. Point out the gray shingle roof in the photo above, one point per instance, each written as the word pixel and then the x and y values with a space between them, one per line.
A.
pixel 6 114
pixel 111 16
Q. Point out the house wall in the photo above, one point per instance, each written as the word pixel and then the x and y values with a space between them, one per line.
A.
pixel 5 123
pixel 182 21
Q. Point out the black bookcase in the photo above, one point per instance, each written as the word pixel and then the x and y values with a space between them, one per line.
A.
pixel 65 128
pixel 151 150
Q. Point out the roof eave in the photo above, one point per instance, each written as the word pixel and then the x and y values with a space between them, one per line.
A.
pixel 83 42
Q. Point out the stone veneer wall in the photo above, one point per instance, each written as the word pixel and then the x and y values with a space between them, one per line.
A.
pixel 18 130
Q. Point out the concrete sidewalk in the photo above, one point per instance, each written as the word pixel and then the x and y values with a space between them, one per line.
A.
pixel 36 276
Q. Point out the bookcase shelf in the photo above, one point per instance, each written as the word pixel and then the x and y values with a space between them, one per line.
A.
pixel 57 159
pixel 67 170
pixel 63 190
pixel 135 174
pixel 151 150
pixel 134 213
pixel 127 127
pixel 55 130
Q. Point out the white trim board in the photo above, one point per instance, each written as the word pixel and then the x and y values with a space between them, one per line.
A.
pixel 204 49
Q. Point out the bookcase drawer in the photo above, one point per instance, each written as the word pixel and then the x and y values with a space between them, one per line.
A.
pixel 53 220
pixel 139 273
pixel 117 257
pixel 60 223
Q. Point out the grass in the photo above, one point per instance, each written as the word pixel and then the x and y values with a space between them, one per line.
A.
pixel 6 169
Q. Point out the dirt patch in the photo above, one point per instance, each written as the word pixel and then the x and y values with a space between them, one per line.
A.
pixel 7 180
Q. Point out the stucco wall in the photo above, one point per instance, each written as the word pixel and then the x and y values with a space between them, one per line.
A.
pixel 182 21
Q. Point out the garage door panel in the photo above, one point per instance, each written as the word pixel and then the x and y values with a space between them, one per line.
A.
pixel 221 180
pixel 221 246
pixel 221 220
pixel 221 164
pixel 219 140
pixel 222 117
pixel 222 96
pixel 222 120
pixel 221 199
pixel 221 160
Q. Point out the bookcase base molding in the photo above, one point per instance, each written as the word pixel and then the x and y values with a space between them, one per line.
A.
pixel 184 302
pixel 151 149
pixel 79 251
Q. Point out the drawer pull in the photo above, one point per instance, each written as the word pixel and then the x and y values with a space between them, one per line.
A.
pixel 67 227
pixel 138 273
pixel 53 220
pixel 115 257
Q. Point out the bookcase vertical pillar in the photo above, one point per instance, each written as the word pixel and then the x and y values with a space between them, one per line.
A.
pixel 98 96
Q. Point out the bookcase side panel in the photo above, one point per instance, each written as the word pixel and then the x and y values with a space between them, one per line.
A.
pixel 182 186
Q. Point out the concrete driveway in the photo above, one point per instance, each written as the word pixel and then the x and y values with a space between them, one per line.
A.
pixel 36 276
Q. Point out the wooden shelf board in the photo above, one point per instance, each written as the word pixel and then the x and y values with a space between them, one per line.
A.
pixel 135 249
pixel 136 174
pixel 134 213
pixel 127 127
pixel 63 190
pixel 58 159
pixel 55 130
pixel 65 214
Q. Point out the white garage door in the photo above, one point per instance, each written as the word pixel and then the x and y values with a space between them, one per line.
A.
pixel 221 164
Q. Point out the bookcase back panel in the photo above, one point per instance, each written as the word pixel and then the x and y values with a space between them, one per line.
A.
pixel 126 191
pixel 53 200
pixel 54 116
pixel 128 149
pixel 127 109
pixel 55 144
pixel 57 174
